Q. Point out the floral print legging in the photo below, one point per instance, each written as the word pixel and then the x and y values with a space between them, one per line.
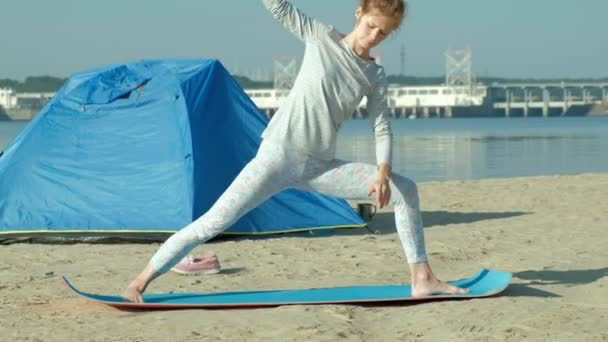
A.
pixel 276 168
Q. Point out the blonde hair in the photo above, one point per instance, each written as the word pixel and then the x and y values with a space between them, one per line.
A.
pixel 390 8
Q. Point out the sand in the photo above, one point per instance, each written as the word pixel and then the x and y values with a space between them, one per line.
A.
pixel 550 232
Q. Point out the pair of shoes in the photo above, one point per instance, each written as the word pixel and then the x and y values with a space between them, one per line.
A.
pixel 199 265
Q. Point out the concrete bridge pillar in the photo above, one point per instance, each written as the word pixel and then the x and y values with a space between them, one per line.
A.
pixel 508 104
pixel 414 112
pixel 586 95
pixel 448 112
pixel 526 102
pixel 546 102
pixel 605 95
pixel 566 100
pixel 425 112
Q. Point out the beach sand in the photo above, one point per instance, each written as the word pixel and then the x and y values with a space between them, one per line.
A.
pixel 550 232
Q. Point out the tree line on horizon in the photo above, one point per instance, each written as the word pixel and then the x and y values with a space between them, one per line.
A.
pixel 43 84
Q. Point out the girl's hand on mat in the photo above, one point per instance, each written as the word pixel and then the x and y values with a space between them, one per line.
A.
pixel 132 294
pixel 382 190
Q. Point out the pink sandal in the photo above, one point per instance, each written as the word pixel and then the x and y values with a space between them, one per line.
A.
pixel 198 265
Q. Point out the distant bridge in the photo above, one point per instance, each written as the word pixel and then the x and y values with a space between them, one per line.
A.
pixel 443 100
pixel 403 101
pixel 547 96
pixel 422 101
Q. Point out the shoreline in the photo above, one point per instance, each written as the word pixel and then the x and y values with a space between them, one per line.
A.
pixel 549 231
pixel 597 110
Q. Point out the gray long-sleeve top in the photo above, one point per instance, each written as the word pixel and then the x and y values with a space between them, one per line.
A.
pixel 330 85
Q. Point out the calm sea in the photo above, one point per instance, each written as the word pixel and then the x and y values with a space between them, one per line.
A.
pixel 459 149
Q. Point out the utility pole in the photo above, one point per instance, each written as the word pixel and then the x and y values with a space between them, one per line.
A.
pixel 285 72
pixel 402 71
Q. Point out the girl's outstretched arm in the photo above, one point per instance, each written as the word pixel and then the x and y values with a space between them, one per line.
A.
pixel 377 106
pixel 298 23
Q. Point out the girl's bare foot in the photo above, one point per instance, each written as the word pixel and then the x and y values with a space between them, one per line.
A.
pixel 425 283
pixel 435 286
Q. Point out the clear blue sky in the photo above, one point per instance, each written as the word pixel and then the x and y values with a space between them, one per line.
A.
pixel 514 38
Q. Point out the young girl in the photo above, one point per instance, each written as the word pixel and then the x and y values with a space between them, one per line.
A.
pixel 298 149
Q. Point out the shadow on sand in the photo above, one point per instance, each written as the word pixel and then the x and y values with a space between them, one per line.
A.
pixel 384 223
pixel 557 277
pixel 552 277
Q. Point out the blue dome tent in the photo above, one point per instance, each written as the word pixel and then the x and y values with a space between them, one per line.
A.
pixel 141 150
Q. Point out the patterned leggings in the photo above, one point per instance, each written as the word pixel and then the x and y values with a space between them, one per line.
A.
pixel 276 168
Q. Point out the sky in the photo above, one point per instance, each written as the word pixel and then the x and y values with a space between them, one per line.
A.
pixel 513 38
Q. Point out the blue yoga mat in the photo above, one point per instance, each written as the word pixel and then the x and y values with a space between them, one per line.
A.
pixel 484 284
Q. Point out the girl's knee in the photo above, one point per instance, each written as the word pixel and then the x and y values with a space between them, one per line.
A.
pixel 404 189
pixel 204 230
